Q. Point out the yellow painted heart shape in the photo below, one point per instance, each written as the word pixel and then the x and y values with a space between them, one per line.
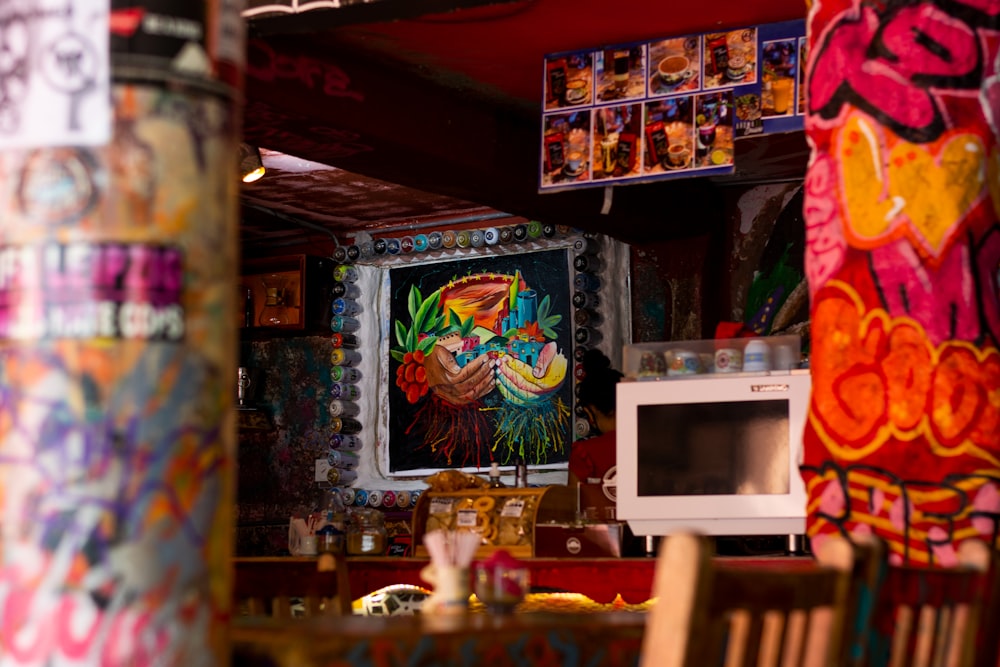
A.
pixel 925 192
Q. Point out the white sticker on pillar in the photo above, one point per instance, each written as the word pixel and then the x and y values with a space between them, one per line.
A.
pixel 54 73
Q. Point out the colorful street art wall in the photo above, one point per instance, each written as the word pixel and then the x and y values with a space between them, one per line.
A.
pixel 902 205
pixel 479 359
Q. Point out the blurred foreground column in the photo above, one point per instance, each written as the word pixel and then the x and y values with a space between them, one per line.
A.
pixel 118 196
pixel 903 251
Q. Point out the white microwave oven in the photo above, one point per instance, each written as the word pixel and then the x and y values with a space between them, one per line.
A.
pixel 713 453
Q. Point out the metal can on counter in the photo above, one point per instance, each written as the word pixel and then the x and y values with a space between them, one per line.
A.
pixel 341 357
pixel 350 443
pixel 420 243
pixel 434 240
pixel 520 232
pixel 506 234
pixel 360 498
pixel 340 459
pixel 344 340
pixel 388 499
pixel 402 499
pixel 341 324
pixel 392 246
pixel 344 408
pixel 380 246
pixel 344 392
pixel 341 476
pixel 548 230
pixel 347 495
pixel 374 498
pixel 414 496
pixel 534 229
pixel 345 425
pixel 353 253
pixel 346 307
pixel 345 374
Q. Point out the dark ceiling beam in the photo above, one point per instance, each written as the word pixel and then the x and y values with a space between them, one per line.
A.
pixel 316 18
pixel 308 98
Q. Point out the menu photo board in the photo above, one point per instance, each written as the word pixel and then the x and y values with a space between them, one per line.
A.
pixel 668 108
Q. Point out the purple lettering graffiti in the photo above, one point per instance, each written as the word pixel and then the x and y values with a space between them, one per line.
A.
pixel 265 64
pixel 895 67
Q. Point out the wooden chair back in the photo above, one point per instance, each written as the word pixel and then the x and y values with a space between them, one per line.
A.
pixel 292 587
pixel 936 617
pixel 707 613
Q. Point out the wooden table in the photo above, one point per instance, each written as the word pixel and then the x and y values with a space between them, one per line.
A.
pixel 613 639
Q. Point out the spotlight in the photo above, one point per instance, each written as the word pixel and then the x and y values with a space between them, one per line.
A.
pixel 251 164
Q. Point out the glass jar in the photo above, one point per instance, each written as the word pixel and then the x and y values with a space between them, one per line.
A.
pixel 366 534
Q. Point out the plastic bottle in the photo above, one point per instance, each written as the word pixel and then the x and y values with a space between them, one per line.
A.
pixel 495 482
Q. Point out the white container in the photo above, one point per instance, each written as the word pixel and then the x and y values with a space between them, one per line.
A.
pixel 757 356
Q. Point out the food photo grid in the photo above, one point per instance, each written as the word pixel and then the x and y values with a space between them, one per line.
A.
pixel 668 108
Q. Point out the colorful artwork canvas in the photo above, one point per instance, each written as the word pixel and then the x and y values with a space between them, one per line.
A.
pixel 478 362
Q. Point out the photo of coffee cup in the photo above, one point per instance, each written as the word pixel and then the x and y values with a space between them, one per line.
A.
pixel 576 91
pixel 574 161
pixel 678 154
pixel 674 69
pixel 738 66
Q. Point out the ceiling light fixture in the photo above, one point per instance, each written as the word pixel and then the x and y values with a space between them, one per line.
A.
pixel 251 164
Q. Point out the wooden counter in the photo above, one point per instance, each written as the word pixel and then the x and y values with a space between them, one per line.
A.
pixel 600 579
pixel 525 640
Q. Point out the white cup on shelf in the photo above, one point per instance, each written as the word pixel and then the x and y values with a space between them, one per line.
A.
pixel 757 356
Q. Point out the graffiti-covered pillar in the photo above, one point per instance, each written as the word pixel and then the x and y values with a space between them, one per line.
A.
pixel 903 244
pixel 118 195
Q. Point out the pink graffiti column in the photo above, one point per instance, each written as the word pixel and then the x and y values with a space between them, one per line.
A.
pixel 117 368
pixel 902 205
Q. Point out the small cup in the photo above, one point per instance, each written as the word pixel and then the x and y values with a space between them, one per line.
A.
pixel 757 356
pixel 574 160
pixel 673 69
pixel 784 358
pixel 678 154
pixel 683 362
pixel 728 360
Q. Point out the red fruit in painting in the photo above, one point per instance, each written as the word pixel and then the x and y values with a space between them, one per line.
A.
pixel 408 357
pixel 413 393
pixel 418 356
pixel 420 375
pixel 399 371
pixel 423 389
pixel 402 384
pixel 409 374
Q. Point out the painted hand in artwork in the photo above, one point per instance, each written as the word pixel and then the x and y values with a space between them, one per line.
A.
pixel 524 384
pixel 454 383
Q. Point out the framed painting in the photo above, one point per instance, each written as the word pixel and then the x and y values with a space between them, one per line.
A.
pixel 479 362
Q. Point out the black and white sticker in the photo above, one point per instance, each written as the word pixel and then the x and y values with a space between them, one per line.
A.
pixel 54 73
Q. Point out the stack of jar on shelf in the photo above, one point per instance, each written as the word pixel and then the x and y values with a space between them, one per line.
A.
pixel 587 318
pixel 448 240
pixel 344 389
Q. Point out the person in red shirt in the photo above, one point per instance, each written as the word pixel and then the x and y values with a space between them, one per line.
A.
pixel 593 460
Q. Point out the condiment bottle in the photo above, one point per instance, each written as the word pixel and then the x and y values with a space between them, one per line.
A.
pixel 495 482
